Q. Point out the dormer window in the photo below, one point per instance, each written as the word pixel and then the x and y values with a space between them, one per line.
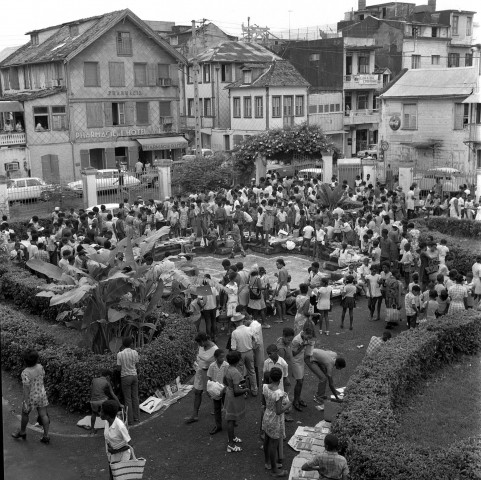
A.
pixel 247 76
pixel 73 30
pixel 34 38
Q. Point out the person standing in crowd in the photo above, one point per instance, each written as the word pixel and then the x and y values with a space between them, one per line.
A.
pixel 128 359
pixel 34 396
pixel 324 304
pixel 205 357
pixel 216 373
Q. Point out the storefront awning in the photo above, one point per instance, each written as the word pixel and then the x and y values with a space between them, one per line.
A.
pixel 473 98
pixel 11 106
pixel 162 143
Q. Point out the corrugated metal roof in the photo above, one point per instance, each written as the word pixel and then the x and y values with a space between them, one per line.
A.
pixel 60 45
pixel 238 52
pixel 280 74
pixel 434 83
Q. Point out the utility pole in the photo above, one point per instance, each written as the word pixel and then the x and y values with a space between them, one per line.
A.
pixel 248 29
pixel 195 72
pixel 289 11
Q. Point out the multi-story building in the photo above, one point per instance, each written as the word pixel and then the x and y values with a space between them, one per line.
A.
pixel 346 65
pixel 425 119
pixel 267 96
pixel 219 67
pixel 410 36
pixel 100 92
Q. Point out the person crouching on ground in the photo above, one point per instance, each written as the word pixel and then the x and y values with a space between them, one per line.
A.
pixel 101 390
pixel 329 463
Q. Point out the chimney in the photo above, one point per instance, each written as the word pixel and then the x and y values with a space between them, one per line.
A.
pixel 361 5
pixel 432 5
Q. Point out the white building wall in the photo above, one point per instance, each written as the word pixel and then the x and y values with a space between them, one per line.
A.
pixel 426 48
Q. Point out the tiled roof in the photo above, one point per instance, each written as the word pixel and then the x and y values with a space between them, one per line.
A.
pixel 238 52
pixel 280 74
pixel 441 82
pixel 27 95
pixel 61 46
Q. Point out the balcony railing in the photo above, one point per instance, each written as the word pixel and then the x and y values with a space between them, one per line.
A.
pixel 356 117
pixel 363 80
pixel 189 122
pixel 13 139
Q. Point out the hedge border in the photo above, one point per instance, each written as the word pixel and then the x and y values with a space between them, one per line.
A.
pixel 463 227
pixel 70 369
pixel 367 424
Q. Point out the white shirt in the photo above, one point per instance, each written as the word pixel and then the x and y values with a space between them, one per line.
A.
pixel 282 364
pixel 320 234
pixel 241 339
pixel 308 231
pixel 116 435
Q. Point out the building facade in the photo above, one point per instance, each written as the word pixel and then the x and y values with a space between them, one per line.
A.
pixel 425 121
pixel 100 92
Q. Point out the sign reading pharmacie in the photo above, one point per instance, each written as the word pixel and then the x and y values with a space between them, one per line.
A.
pixel 110 133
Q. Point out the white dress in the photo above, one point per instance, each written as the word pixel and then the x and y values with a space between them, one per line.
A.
pixel 478 213
pixel 452 208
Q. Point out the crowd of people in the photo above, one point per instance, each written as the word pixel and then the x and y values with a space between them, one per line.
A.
pixel 374 242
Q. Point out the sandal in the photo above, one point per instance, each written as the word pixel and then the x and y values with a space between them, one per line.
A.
pixel 191 420
pixel 237 440
pixel 233 449
pixel 297 406
pixel 282 473
pixel 302 403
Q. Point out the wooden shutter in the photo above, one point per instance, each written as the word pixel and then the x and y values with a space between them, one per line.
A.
pixel 46 170
pixel 84 158
pixel 110 158
pixel 142 113
pixel 133 155
pixel 108 114
pixel 174 74
pixel 50 169
pixel 117 74
pixel 164 109
pixel 151 75
pixel 94 115
pixel 130 113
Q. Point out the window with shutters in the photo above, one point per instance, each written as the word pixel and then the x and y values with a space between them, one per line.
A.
pixel 363 64
pixel 190 107
pixel 165 112
pixel 116 74
pixel 461 115
pixel 226 73
pixel 276 106
pixel 259 107
pixel 118 113
pixel 236 107
pixel 41 119
pixel 163 74
pixel 142 113
pixel 94 115
pixel 26 77
pixel 124 44
pixel 59 117
pixel 13 77
pixel 299 105
pixel 91 74
pixel 455 24
pixel 190 74
pixel 206 73
pixel 140 74
pixel 362 101
pixel 6 81
pixel 415 61
pixel 435 59
pixel 469 26
pixel 288 106
pixel 207 107
pixel 410 116
pixel 453 60
pixel 247 107
pixel 468 60
pixel 247 76
pixel 478 113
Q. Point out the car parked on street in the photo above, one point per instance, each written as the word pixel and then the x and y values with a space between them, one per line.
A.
pixel 107 179
pixel 370 151
pixel 28 188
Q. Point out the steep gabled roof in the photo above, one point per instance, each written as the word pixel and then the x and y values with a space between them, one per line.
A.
pixel 61 46
pixel 238 52
pixel 426 82
pixel 280 74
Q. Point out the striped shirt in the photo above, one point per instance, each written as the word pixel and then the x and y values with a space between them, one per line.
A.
pixel 127 359
pixel 331 465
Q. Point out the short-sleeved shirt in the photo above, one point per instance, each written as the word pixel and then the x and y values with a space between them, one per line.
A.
pixel 116 435
pixel 411 301
pixel 285 351
pixel 306 352
pixel 373 282
pixel 217 373
pixel 374 345
pixel 282 364
pixel 99 389
pixel 241 339
pixel 331 465
pixel 128 360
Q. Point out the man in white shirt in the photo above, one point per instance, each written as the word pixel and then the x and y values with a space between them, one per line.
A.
pixel 242 341
pixel 274 360
pixel 307 237
pixel 129 382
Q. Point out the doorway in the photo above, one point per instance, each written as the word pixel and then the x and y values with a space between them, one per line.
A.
pixel 361 139
pixel 121 157
pixel 97 158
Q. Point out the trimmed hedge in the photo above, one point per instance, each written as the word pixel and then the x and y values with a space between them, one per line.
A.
pixel 20 227
pixel 367 425
pixel 461 227
pixel 69 369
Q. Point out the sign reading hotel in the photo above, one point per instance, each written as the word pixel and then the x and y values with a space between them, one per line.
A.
pixel 109 133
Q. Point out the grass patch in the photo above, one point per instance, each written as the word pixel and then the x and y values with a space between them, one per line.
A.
pixel 447 408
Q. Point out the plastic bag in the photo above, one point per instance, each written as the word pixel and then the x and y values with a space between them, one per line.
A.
pixel 215 389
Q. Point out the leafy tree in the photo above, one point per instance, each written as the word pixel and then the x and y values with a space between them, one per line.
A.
pixel 281 144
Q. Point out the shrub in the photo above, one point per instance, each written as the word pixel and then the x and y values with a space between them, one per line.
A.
pixel 70 369
pixel 462 227
pixel 368 426
pixel 20 228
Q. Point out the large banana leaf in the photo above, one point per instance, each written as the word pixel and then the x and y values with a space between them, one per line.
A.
pixel 72 296
pixel 51 271
pixel 115 315
pixel 151 240
pixel 156 297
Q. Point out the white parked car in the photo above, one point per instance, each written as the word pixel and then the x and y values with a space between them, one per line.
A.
pixel 370 151
pixel 27 188
pixel 107 179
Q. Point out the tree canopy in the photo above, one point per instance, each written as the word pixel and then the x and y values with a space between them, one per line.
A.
pixel 282 144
